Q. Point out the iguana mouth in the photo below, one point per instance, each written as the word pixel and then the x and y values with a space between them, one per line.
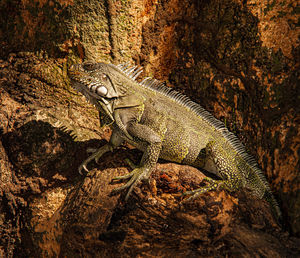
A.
pixel 107 107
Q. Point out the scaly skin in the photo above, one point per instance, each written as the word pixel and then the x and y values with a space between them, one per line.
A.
pixel 165 124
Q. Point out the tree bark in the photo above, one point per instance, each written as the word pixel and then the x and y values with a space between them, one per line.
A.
pixel 238 59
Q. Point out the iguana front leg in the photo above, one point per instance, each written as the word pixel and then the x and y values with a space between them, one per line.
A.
pixel 115 141
pixel 153 144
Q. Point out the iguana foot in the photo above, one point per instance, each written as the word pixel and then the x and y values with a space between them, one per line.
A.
pixel 97 153
pixel 213 185
pixel 136 176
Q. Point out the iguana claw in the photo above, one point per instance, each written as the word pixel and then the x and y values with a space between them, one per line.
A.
pixel 136 176
pixel 82 166
pixel 97 153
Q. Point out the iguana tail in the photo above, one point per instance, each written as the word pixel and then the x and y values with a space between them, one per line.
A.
pixel 269 197
pixel 257 182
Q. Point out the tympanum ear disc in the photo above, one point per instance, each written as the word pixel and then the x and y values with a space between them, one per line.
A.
pixel 101 91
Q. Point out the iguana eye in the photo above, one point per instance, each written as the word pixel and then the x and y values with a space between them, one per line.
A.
pixel 88 66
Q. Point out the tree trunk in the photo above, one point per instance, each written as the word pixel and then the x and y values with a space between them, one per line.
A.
pixel 238 59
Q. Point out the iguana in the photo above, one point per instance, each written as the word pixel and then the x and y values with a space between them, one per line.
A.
pixel 164 123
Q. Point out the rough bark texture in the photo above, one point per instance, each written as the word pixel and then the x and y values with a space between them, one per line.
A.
pixel 239 59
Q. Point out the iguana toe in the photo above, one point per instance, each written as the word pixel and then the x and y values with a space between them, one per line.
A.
pixel 83 167
pixel 97 153
pixel 136 176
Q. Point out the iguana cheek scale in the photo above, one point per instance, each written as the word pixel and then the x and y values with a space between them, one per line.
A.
pixel 163 123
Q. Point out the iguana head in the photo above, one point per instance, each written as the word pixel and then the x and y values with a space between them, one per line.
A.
pixel 105 85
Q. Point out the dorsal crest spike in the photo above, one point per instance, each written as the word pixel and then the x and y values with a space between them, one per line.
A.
pixel 137 72
pixel 131 71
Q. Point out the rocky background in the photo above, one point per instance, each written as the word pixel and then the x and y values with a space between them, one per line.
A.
pixel 238 59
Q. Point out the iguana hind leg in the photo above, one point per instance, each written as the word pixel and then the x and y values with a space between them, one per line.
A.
pixel 226 169
pixel 213 185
